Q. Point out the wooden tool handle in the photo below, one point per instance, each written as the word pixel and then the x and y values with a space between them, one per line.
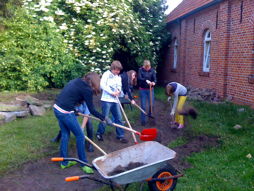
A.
pixel 93 143
pixel 125 116
pixel 114 124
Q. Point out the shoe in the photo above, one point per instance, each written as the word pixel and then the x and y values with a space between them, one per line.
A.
pixel 123 140
pixel 180 126
pixel 56 139
pixel 90 148
pixel 87 170
pixel 99 137
pixel 69 164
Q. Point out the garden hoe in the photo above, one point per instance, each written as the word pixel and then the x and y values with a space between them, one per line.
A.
pixel 144 135
pixel 172 123
pixel 125 116
pixel 142 110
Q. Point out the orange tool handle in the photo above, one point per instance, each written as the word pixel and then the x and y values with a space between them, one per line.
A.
pixel 72 178
pixel 57 159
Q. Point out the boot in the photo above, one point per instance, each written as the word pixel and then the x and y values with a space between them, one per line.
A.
pixel 90 148
pixel 57 138
pixel 89 130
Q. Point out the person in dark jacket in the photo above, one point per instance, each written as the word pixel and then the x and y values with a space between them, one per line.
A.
pixel 146 79
pixel 132 79
pixel 126 88
pixel 75 92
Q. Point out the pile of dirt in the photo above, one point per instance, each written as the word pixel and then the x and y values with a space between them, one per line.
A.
pixel 119 169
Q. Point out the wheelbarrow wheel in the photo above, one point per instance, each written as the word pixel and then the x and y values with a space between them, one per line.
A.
pixel 167 185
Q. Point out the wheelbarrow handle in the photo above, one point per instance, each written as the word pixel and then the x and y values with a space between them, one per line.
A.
pixel 58 159
pixel 75 178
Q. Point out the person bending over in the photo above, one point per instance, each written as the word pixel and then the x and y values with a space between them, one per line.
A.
pixel 180 95
pixel 75 92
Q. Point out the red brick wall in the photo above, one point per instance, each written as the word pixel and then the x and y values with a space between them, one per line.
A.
pixel 232 49
pixel 241 52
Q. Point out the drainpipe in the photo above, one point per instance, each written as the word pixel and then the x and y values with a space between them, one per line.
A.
pixel 225 86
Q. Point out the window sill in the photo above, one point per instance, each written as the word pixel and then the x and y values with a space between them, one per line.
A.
pixel 173 70
pixel 251 79
pixel 205 74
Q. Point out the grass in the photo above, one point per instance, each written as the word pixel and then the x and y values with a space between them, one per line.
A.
pixel 229 167
pixel 226 167
pixel 160 94
pixel 178 142
pixel 26 139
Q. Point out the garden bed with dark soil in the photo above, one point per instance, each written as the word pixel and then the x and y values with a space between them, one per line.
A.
pixel 44 175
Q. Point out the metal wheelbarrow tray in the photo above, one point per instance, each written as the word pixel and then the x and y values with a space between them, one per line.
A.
pixel 153 154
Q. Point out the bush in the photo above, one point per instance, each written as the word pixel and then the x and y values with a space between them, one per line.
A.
pixel 100 31
pixel 33 55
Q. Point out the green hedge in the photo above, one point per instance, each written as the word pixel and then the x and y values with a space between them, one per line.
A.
pixel 33 55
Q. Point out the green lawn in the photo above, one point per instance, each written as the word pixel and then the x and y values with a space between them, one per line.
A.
pixel 229 167
pixel 226 167
pixel 26 139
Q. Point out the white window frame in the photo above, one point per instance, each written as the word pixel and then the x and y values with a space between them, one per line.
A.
pixel 175 54
pixel 207 51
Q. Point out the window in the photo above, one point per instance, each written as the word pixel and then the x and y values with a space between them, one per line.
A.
pixel 207 48
pixel 175 53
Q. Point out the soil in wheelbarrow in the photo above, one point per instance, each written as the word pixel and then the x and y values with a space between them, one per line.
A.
pixel 42 175
pixel 119 169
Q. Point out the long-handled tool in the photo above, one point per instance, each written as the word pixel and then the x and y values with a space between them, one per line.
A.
pixel 93 143
pixel 151 99
pixel 151 104
pixel 144 135
pixel 142 110
pixel 172 117
pixel 125 116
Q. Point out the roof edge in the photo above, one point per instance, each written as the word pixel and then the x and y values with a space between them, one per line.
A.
pixel 195 11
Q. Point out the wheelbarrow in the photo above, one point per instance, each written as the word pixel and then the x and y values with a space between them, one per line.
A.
pixel 155 169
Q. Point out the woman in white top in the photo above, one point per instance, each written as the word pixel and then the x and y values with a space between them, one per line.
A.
pixel 179 92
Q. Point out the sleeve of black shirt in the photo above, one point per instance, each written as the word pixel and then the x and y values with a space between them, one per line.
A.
pixel 88 97
pixel 140 76
pixel 154 76
pixel 125 85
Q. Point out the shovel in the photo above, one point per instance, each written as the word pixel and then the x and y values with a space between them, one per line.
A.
pixel 142 110
pixel 144 135
pixel 125 116
pixel 151 105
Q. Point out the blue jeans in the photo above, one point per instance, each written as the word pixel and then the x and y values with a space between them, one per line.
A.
pixel 69 123
pixel 144 95
pixel 115 110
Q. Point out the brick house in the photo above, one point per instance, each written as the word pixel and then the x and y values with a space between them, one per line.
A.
pixel 212 46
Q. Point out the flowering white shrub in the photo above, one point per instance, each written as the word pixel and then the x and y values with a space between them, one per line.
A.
pixel 96 29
